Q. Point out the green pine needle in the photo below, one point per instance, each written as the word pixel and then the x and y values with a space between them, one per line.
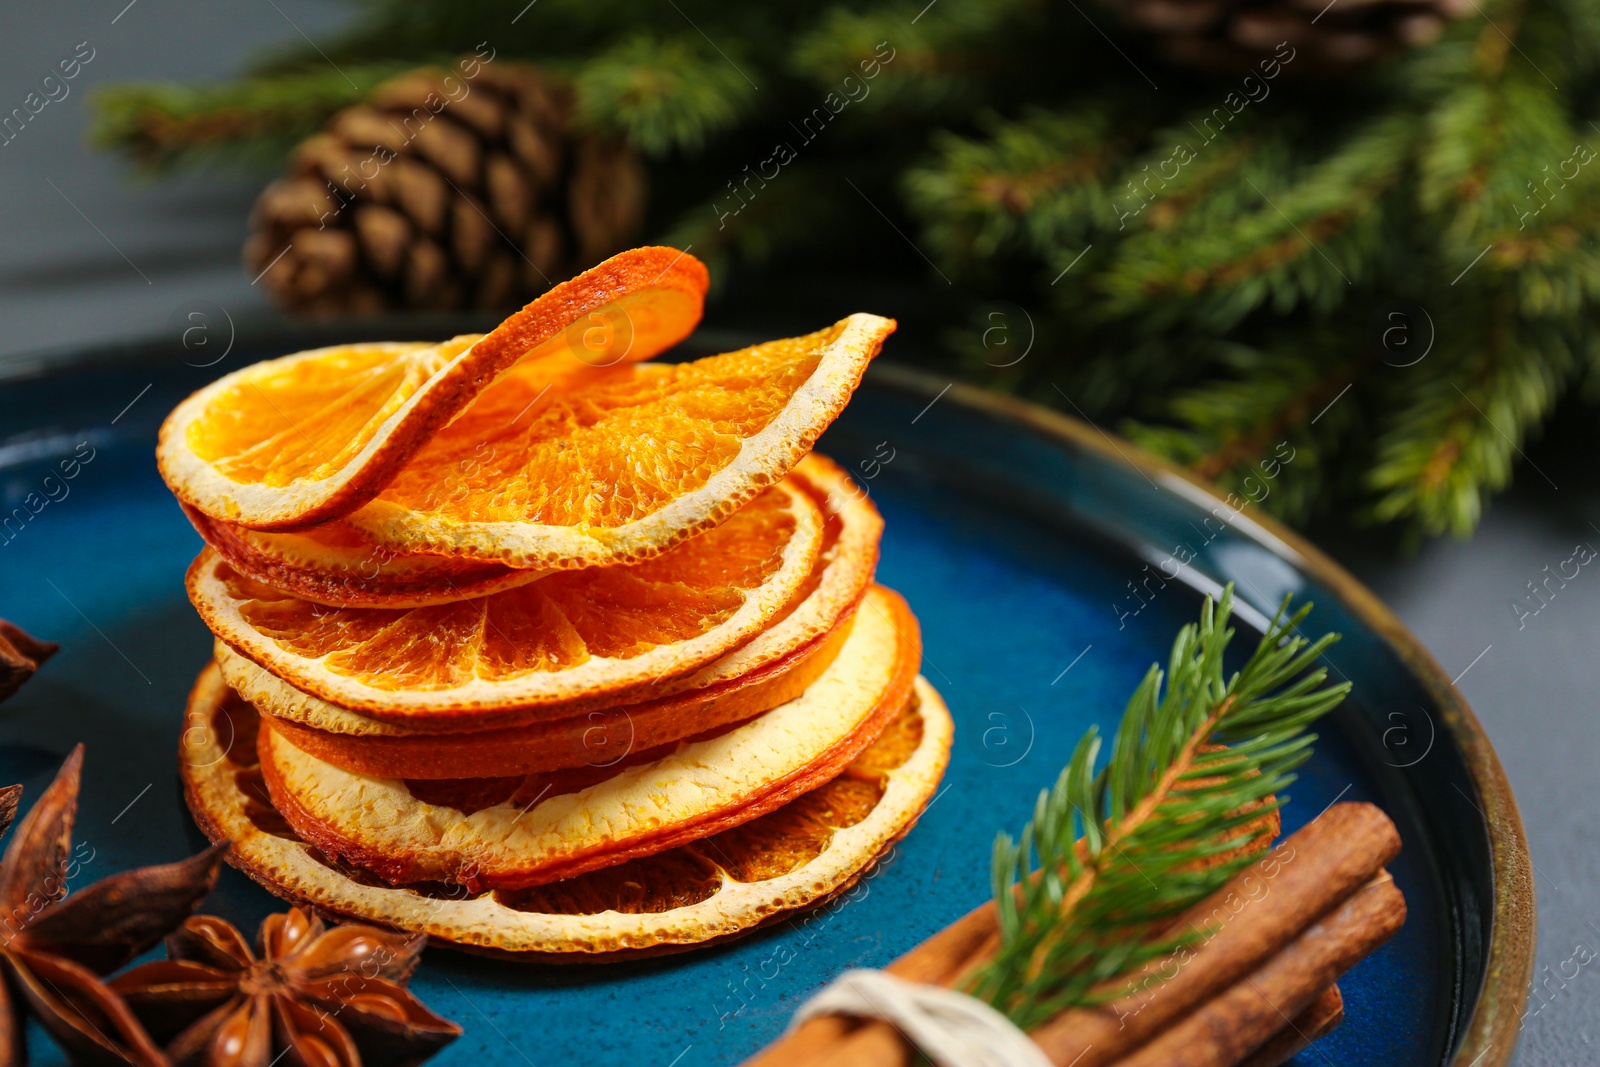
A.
pixel 1114 852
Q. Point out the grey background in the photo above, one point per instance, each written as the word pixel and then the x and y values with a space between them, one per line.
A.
pixel 89 252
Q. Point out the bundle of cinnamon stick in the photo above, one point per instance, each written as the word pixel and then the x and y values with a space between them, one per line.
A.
pixel 1255 986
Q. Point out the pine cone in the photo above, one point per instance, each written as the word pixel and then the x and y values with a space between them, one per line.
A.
pixel 1325 39
pixel 444 191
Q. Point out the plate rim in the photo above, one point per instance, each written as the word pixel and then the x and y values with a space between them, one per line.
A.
pixel 1489 1034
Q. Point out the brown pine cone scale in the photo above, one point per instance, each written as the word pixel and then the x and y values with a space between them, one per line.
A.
pixel 444 192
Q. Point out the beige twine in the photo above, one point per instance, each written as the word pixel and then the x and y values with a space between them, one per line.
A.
pixel 951 1028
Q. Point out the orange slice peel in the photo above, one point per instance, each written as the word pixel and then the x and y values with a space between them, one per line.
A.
pixel 839 579
pixel 593 636
pixel 721 887
pixel 600 738
pixel 624 464
pixel 511 834
pixel 293 442
pixel 336 565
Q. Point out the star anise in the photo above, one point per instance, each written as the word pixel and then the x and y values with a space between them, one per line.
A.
pixel 20 656
pixel 53 946
pixel 329 998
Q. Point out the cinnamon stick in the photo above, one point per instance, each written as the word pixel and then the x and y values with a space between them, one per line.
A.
pixel 1255 914
pixel 1320 1018
pixel 1282 894
pixel 1234 1023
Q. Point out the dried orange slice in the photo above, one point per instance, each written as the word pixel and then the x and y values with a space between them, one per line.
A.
pixel 578 635
pixel 719 887
pixel 292 442
pixel 600 738
pixel 336 565
pixel 843 573
pixel 623 465
pixel 511 833
pixel 838 581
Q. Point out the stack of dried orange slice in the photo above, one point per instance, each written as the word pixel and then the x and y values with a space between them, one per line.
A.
pixel 540 648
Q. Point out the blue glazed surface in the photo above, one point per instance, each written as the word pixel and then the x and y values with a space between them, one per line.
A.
pixel 1014 555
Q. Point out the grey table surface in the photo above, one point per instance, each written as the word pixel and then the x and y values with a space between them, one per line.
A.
pixel 91 253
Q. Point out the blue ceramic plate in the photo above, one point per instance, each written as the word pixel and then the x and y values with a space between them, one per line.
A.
pixel 1049 564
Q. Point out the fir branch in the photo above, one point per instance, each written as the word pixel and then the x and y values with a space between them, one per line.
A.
pixel 919 70
pixel 1281 234
pixel 256 120
pixel 1201 178
pixel 1113 854
pixel 1554 268
pixel 1247 426
pixel 1490 150
pixel 1454 433
pixel 671 95
pixel 1031 184
pixel 943 56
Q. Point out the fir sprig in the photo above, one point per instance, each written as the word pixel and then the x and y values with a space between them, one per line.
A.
pixel 662 95
pixel 1114 853
pixel 255 120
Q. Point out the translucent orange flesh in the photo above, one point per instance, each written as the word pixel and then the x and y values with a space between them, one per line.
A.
pixel 759 850
pixel 605 447
pixel 555 623
pixel 311 419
